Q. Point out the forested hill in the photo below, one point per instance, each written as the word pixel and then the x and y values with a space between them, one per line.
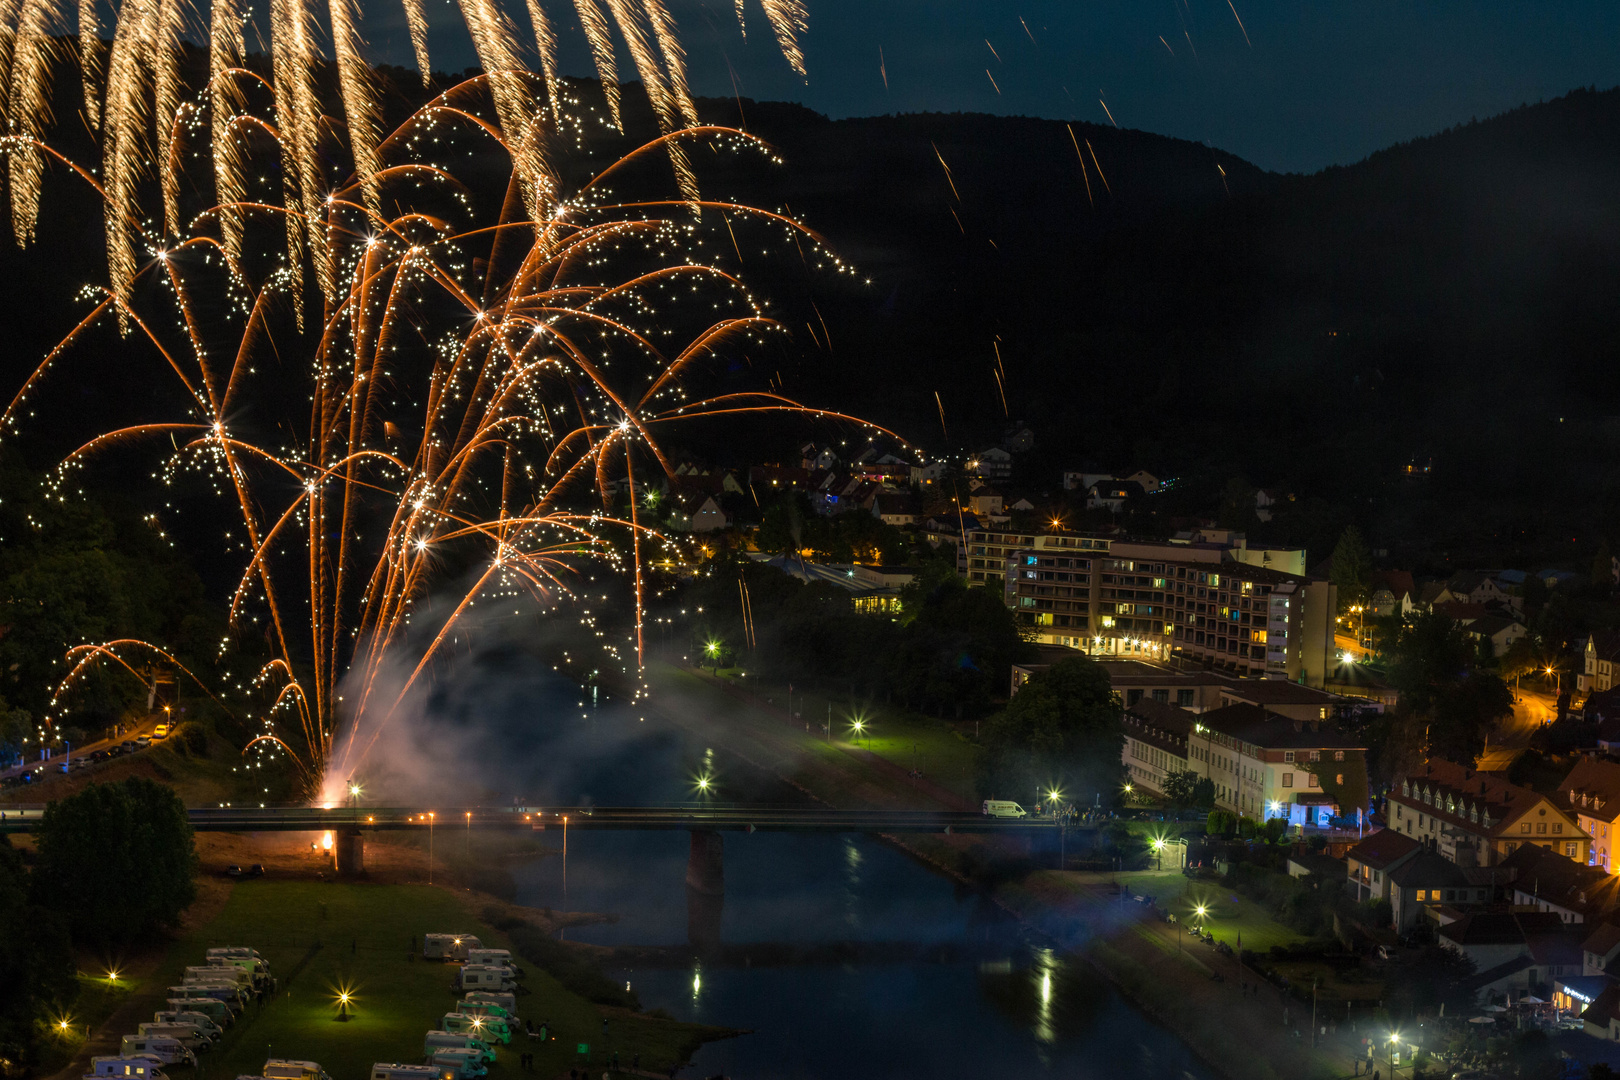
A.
pixel 1159 302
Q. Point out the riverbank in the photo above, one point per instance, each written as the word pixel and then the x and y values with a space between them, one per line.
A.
pixel 1240 1026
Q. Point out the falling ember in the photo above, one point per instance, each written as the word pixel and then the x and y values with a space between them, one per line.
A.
pixel 1110 115
pixel 941 405
pixel 1094 161
pixel 1082 158
pixel 992 79
pixel 1235 15
pixel 1166 45
pixel 883 70
pixel 1025 25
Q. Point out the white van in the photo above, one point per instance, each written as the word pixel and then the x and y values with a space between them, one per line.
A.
pixel 164 1048
pixel 201 1021
pixel 228 996
pixel 125 1068
pixel 485 977
pixel 451 1040
pixel 213 1008
pixel 190 1035
pixel 467 1063
pixel 488 1028
pixel 1003 808
pixel 448 946
pixel 216 1010
pixel 390 1071
pixel 287 1069
pixel 490 956
pixel 490 1003
pixel 242 977
pixel 237 952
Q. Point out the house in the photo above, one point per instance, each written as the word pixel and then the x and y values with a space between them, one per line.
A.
pixel 697 512
pixel 1602 656
pixel 813 458
pixel 1478 819
pixel 1601 1019
pixel 1305 863
pixel 1268 764
pixel 1546 881
pixel 992 464
pixel 1600 948
pixel 1477 587
pixel 1156 737
pixel 1368 863
pixel 1515 954
pixel 895 508
pixel 925 476
pixel 1144 480
pixel 1591 792
pixel 1083 479
pixel 1392 591
pixel 1425 881
pixel 1433 592
pixel 1499 631
pixel 1018 437
pixel 985 502
pixel 1112 494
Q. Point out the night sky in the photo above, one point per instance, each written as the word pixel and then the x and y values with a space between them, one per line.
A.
pixel 1318 83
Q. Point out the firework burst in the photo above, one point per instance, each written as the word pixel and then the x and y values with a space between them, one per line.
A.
pixel 484 399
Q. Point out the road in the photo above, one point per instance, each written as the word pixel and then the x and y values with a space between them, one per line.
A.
pixel 728 818
pixel 143 728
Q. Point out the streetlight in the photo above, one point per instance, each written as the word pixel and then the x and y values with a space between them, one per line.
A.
pixel 430 846
pixel 858 726
pixel 466 845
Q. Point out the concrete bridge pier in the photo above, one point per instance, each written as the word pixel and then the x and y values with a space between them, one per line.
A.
pixel 705 889
pixel 349 852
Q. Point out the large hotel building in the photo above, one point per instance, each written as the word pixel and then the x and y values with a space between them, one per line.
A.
pixel 1211 600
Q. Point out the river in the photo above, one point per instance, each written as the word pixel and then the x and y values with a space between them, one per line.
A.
pixel 927 978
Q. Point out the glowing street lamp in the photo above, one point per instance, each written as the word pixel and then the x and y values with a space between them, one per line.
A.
pixel 858 726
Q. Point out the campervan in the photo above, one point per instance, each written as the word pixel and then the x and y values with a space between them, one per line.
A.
pixel 488 1028
pixel 448 946
pixel 229 996
pixel 125 1068
pixel 467 1063
pixel 450 1040
pixel 285 1069
pixel 390 1071
pixel 506 1004
pixel 485 977
pixel 164 1048
pixel 201 1021
pixel 1003 808
pixel 498 957
pixel 216 1010
pixel 222 973
pixel 486 1008
pixel 236 952
pixel 190 1035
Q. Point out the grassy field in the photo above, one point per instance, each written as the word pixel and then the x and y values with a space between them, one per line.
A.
pixel 323 938
pixel 1228 915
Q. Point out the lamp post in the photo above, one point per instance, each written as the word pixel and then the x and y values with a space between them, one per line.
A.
pixel 430 847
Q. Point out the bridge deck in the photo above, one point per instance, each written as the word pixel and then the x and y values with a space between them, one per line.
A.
pixel 730 818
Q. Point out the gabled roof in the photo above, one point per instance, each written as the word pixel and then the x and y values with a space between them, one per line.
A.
pixel 1431 590
pixel 1482 804
pixel 1602 941
pixel 1428 870
pixel 1605 1008
pixel 1605 645
pixel 1592 788
pixel 1462 612
pixel 1383 848
pixel 1491 625
pixel 1261 727
pixel 1552 879
pixel 1500 927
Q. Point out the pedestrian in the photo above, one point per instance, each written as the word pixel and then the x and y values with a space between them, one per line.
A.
pixel 1377 1075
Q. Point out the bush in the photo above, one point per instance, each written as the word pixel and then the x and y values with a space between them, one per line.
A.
pixel 191 737
pixel 1220 823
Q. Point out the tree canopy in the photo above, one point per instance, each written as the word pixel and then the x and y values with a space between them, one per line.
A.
pixel 37 959
pixel 117 860
pixel 1448 702
pixel 1062 730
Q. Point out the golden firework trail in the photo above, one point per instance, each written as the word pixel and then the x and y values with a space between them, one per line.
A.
pixel 468 433
pixel 145 86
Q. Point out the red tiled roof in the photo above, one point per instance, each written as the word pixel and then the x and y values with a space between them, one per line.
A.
pixel 1592 788
pixel 1383 848
pixel 1492 796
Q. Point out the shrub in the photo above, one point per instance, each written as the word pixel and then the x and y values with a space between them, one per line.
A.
pixel 192 737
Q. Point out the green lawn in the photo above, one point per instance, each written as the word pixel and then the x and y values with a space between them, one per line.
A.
pixel 1223 918
pixel 320 938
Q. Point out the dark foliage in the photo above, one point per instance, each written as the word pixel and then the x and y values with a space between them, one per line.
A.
pixel 1061 731
pixel 117 860
pixel 37 959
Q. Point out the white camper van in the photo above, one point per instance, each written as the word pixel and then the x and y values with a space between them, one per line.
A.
pixel 450 1040
pixel 448 946
pixel 485 977
pixel 467 1063
pixel 232 995
pixel 497 957
pixel 1003 808
pixel 222 973
pixel 190 1035
pixel 237 952
pixel 125 1068
pixel 201 1021
pixel 216 1010
pixel 164 1048
pixel 389 1071
pixel 491 1029
pixel 489 1003
pixel 287 1069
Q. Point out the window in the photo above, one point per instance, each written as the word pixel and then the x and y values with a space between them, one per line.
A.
pixel 1421 895
pixel 1288 755
pixel 1525 827
pixel 1313 781
pixel 1558 827
pixel 1132 697
pixel 1184 698
pixel 1541 828
pixel 1162 695
pixel 1340 780
pixel 1570 848
pixel 1288 779
pixel 1338 755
